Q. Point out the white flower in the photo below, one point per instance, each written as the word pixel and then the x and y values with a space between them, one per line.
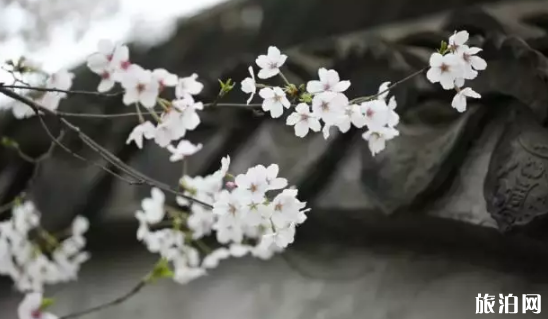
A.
pixel 200 221
pixel 274 101
pixel 377 113
pixel 271 63
pixel 471 62
pixel 225 164
pixel 183 149
pixel 458 39
pixel 140 87
pixel 184 275
pixel 188 86
pixel 282 237
pixel 80 225
pixel 238 250
pixel 253 184
pixel 187 108
pixel 163 134
pixel 230 212
pixel 353 115
pixel 444 69
pixel 29 308
pixel 165 78
pixel 303 120
pixel 274 182
pixel 329 106
pixel 459 101
pixel 329 82
pixel 377 137
pixel 143 130
pixel 287 209
pixel 21 111
pixel 153 207
pixel 249 85
pixel 61 80
pixel 212 260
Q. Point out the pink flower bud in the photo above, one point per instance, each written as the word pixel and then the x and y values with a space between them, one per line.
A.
pixel 230 185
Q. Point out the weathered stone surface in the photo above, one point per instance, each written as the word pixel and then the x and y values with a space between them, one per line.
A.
pixel 517 182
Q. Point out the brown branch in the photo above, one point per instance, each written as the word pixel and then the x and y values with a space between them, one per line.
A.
pixel 73 92
pixel 109 304
pixel 104 153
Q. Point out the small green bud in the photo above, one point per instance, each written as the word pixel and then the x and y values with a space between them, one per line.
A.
pixel 161 270
pixel 226 87
pixel 443 48
pixel 8 142
pixel 305 98
pixel 46 303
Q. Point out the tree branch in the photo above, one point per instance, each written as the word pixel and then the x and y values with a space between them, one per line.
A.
pixel 109 304
pixel 73 92
pixel 104 153
pixel 390 87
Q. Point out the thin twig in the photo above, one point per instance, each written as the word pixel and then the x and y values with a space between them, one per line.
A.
pixel 71 152
pixel 36 160
pixel 390 87
pixel 104 153
pixel 73 92
pixel 8 206
pixel 109 304
pixel 129 114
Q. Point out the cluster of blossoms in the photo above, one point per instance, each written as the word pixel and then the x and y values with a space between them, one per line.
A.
pixel 61 80
pixel 253 213
pixel 244 220
pixel 32 257
pixel 454 65
pixel 324 101
pixel 143 88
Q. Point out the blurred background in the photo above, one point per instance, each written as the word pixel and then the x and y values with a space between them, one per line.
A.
pixel 416 232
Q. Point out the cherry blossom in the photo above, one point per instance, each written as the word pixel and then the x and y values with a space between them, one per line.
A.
pixel 164 78
pixel 444 69
pixel 303 120
pixel 274 101
pixel 274 182
pixel 377 137
pixel 21 111
pixel 61 80
pixel 183 149
pixel 188 86
pixel 352 115
pixel 23 260
pixel 459 101
pixel 470 61
pixel 253 184
pixel 271 63
pixel 31 307
pixel 153 207
pixel 249 85
pixel 329 82
pixel 144 130
pixel 140 87
pixel 458 39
